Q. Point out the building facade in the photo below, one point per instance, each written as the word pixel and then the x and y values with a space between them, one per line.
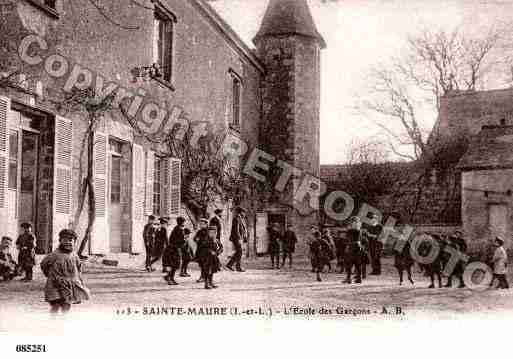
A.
pixel 201 73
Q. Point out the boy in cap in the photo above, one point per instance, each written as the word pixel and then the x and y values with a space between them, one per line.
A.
pixel 207 254
pixel 149 241
pixel 500 260
pixel 8 267
pixel 26 244
pixel 62 269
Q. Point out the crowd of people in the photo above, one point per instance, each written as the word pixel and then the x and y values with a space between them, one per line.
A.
pixel 358 245
pixel 176 251
pixel 353 248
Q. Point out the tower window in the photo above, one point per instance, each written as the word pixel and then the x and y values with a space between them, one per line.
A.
pixel 236 99
pixel 163 42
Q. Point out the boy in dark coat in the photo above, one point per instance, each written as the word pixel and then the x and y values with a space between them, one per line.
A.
pixel 373 231
pixel 8 267
pixel 289 241
pixel 340 246
pixel 171 258
pixel 201 233
pixel 274 244
pixel 160 241
pixel 207 254
pixel 319 255
pixel 26 244
pixel 403 261
pixel 149 241
pixel 354 251
pixel 328 246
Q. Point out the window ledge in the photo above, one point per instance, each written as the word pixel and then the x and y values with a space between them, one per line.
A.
pixel 46 9
pixel 164 83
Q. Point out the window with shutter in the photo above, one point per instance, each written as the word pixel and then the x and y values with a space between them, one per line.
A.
pixel 63 173
pixel 172 197
pixel 5 107
pixel 138 184
pixel 100 238
pixel 150 164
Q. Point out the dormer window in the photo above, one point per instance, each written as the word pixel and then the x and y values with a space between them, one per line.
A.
pixel 163 42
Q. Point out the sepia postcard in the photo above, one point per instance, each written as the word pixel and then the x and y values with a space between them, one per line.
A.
pixel 302 170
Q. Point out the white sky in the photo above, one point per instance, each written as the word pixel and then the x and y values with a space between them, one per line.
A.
pixel 360 34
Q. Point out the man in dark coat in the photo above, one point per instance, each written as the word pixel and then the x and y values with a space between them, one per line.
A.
pixel 171 258
pixel 457 242
pixel 238 234
pixel 207 255
pixel 149 241
pixel 289 241
pixel 373 231
pixel 26 244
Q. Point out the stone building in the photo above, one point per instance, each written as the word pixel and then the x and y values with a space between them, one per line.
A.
pixel 470 188
pixel 201 72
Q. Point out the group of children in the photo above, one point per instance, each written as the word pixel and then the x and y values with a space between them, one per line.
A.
pixel 353 255
pixel 26 245
pixel 62 268
pixel 176 253
pixel 281 241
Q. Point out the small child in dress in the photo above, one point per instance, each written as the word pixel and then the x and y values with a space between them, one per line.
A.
pixel 26 244
pixel 62 268
pixel 8 267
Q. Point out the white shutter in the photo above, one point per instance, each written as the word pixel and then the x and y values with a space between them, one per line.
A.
pixel 5 108
pixel 150 172
pixel 138 184
pixel 100 236
pixel 62 176
pixel 172 200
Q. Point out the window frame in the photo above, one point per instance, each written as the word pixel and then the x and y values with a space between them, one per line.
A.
pixel 165 48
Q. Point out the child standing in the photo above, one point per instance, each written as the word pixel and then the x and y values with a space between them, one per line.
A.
pixel 26 244
pixel 207 254
pixel 62 269
pixel 8 267
pixel 500 259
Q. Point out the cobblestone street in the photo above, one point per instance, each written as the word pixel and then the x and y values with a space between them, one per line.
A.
pixel 281 291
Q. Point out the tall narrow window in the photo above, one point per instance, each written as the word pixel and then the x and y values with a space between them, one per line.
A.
pixel 13 160
pixel 157 186
pixel 163 43
pixel 236 92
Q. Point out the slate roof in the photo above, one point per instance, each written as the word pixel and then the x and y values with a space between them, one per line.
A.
pixel 491 148
pixel 289 17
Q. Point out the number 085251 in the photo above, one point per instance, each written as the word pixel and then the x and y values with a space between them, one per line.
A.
pixel 31 348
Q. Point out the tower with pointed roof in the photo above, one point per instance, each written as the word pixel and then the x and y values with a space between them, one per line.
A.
pixel 289 45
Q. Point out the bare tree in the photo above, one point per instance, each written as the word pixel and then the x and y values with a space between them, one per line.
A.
pixel 402 93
